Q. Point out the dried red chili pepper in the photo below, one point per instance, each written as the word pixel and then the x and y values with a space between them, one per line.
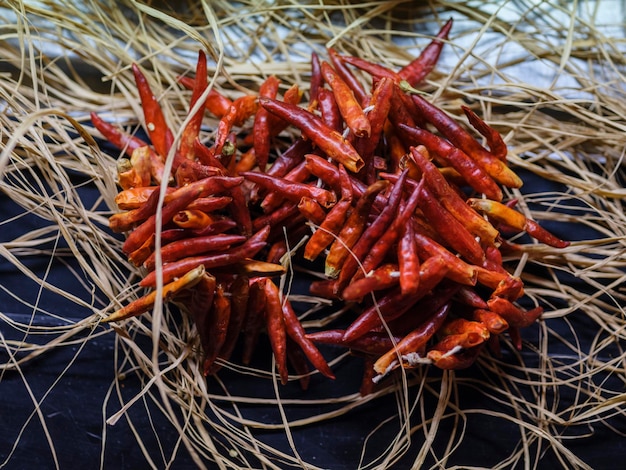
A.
pixel 347 76
pixel 276 328
pixel 219 317
pixel 192 129
pixel 261 130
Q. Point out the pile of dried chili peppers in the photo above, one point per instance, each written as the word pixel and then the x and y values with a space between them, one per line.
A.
pixel 401 202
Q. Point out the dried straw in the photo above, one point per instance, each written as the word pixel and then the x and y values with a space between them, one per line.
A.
pixel 547 75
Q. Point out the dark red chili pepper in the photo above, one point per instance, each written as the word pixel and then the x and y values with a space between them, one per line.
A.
pixel 260 130
pixel 497 146
pixel 381 278
pixel 408 261
pixel 160 134
pixel 115 136
pixel 276 329
pixel 253 324
pixel 315 82
pixel 327 104
pixel 218 328
pixel 416 70
pixel 191 131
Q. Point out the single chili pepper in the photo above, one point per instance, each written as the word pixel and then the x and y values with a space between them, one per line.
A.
pixel 315 82
pixel 331 115
pixel 416 70
pixel 463 326
pixel 129 177
pixel 325 289
pixel 253 324
pixel 515 316
pixel 449 228
pixel 402 353
pixel 260 129
pixel 276 328
pixel 352 229
pixel 219 226
pixel 367 382
pixel 468 296
pixel 210 204
pixel 408 261
pixel 502 213
pixel 497 146
pixel 347 76
pixel 189 171
pixel 349 106
pixel 291 190
pixel 380 103
pixel 246 162
pixel 289 158
pixel 299 174
pixel 276 251
pixel 371 343
pixel 216 103
pixel 383 277
pixel 377 71
pixel 311 210
pixel 451 360
pixel 296 332
pixel 145 303
pixel 219 319
pixel 192 219
pixel 451 200
pixel 298 361
pixel 395 304
pixel 194 246
pixel 160 134
pixel 495 323
pixel 331 142
pixel 141 163
pixel 239 294
pixel 470 170
pixel 329 173
pixel 227 257
pixel 192 129
pixel 239 206
pixel 115 136
pixel 458 270
pixel 495 167
pixel 371 234
pixel 180 199
pixel 502 283
pixel 392 233
pixel 402 110
pixel 138 256
pixel 330 227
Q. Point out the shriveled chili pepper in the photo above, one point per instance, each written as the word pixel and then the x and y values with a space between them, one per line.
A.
pixel 160 134
pixel 210 204
pixel 327 105
pixel 219 319
pixel 454 360
pixel 286 211
pixel 192 129
pixel 124 221
pixel 395 304
pixel 193 246
pixel 377 71
pixel 276 328
pixel 495 167
pixel 411 343
pixel 260 129
pixel 502 213
pixel 180 199
pixel 347 76
pixel 311 210
pixel 470 170
pixel 468 296
pixel 291 190
pixel 192 219
pixel 372 343
pixel 408 261
pixel 246 250
pixel 416 70
pixel 349 106
pixel 296 332
pixel 383 277
pixel 298 174
pixel 115 136
pixel 497 146
pixel 145 303
pixel 331 142
pixel 315 82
